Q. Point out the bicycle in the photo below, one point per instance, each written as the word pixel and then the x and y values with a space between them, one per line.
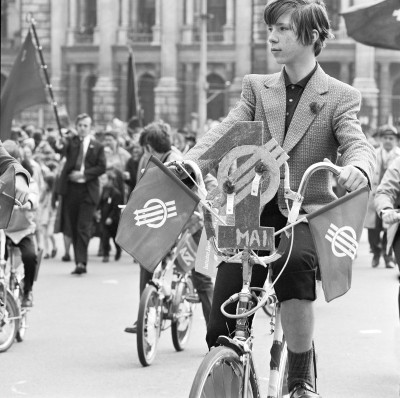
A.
pixel 13 317
pixel 228 370
pixel 167 301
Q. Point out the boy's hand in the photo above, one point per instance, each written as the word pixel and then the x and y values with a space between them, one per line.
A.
pixel 352 178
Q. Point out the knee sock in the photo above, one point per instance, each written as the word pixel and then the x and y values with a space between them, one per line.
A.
pixel 300 368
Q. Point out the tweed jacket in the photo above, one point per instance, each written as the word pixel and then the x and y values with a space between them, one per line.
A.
pixel 388 195
pixel 324 123
pixel 95 166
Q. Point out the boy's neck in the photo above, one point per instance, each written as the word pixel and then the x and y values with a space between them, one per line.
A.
pixel 298 71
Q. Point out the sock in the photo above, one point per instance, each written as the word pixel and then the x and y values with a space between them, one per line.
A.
pixel 300 368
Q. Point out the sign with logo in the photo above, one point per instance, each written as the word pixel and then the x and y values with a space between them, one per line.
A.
pixel 155 212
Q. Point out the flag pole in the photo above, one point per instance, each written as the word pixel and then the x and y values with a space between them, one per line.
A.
pixel 44 68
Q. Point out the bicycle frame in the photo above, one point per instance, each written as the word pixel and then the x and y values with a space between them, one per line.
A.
pixel 241 343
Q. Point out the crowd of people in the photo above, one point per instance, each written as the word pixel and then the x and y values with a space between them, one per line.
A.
pixel 78 180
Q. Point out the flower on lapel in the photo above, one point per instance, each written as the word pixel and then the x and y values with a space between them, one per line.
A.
pixel 314 108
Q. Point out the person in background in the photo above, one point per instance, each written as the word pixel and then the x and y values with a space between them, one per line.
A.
pixel 111 197
pixel 386 153
pixel 132 165
pixel 387 204
pixel 21 229
pixel 80 187
pixel 22 177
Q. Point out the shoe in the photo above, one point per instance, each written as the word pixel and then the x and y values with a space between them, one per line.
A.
pixel 375 260
pixel 27 300
pixel 79 269
pixel 66 257
pixel 117 255
pixel 131 329
pixel 53 253
pixel 106 259
pixel 303 390
pixel 390 264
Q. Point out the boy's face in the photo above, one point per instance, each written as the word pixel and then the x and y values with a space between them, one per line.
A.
pixel 285 47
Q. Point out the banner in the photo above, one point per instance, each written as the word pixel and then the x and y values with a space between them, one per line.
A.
pixel 157 210
pixel 376 25
pixel 23 88
pixel 336 230
pixel 7 194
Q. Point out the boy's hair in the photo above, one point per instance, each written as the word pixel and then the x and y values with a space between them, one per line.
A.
pixel 157 135
pixel 306 15
pixel 81 117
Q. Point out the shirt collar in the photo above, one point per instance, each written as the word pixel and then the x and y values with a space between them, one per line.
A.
pixel 303 82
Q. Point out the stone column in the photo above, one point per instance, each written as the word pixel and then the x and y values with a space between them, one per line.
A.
pixel 365 82
pixel 187 28
pixel 123 28
pixel 228 27
pixel 345 72
pixel 243 49
pixel 385 93
pixel 73 91
pixel 73 21
pixel 167 93
pixel 58 39
pixel 157 26
pixel 189 88
pixel 104 91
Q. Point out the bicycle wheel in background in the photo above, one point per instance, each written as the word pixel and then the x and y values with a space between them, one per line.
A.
pixel 221 375
pixel 182 313
pixel 9 324
pixel 148 325
pixel 283 390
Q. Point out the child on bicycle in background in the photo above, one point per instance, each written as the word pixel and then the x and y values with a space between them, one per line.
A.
pixel 156 140
pixel 21 230
pixel 312 116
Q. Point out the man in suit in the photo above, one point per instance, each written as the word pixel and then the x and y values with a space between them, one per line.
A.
pixel 386 153
pixel 80 187
pixel 312 116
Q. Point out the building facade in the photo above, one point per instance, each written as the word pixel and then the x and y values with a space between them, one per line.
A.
pixel 86 45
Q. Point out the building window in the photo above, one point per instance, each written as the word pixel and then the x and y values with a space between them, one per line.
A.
pixel 88 16
pixel 396 103
pixel 146 97
pixel 333 8
pixel 216 9
pixel 147 16
pixel 216 97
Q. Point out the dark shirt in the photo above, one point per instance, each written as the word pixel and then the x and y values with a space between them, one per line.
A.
pixel 293 94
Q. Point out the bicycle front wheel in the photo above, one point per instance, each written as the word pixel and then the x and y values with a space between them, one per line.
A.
pixel 148 325
pixel 9 323
pixel 182 314
pixel 221 375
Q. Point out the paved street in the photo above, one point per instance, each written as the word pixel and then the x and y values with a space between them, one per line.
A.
pixel 76 346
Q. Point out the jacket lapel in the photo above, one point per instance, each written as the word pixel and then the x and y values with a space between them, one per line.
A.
pixel 274 101
pixel 305 112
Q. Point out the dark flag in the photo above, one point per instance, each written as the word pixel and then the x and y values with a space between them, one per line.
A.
pixel 336 230
pixel 23 88
pixel 7 194
pixel 156 212
pixel 132 92
pixel 376 25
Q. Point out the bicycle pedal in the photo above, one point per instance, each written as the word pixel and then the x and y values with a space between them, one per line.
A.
pixel 192 298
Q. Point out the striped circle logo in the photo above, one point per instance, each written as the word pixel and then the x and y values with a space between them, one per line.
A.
pixel 343 241
pixel 155 213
